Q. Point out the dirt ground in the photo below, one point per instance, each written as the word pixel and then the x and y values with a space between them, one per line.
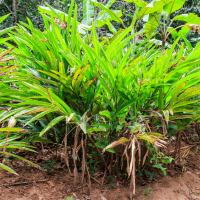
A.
pixel 182 182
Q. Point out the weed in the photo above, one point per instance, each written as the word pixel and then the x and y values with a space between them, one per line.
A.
pixel 49 165
pixel 110 177
pixel 161 158
pixel 112 185
pixel 68 198
pixel 197 148
pixel 159 166
pixel 184 169
pixel 148 192
pixel 150 174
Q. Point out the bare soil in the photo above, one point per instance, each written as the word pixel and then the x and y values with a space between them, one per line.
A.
pixel 182 181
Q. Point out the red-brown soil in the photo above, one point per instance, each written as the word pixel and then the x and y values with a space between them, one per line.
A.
pixel 181 182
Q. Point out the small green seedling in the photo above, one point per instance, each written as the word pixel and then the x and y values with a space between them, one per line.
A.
pixel 148 192
pixel 110 177
pixel 197 148
pixel 49 165
pixel 184 169
pixel 159 166
pixel 112 185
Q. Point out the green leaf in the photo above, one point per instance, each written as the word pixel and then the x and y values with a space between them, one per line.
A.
pixel 40 116
pixel 12 130
pixel 190 18
pixel 158 5
pixel 85 87
pixel 6 30
pixel 110 12
pixel 53 12
pixel 109 3
pixel 21 158
pixel 78 77
pixel 88 12
pixel 105 18
pixel 106 113
pixel 173 6
pixel 138 3
pixel 51 124
pixel 153 7
pixel 111 27
pixel 70 16
pixel 124 106
pixel 152 24
pixel 177 90
pixel 7 168
pixel 4 17
pixel 122 94
pixel 91 130
pixel 111 150
pixel 15 146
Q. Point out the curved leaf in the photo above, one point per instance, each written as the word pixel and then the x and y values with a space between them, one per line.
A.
pixel 152 24
pixel 51 124
pixel 88 12
pixel 114 16
pixel 173 6
pixel 116 143
pixel 138 3
pixel 12 130
pixel 7 168
pixel 40 115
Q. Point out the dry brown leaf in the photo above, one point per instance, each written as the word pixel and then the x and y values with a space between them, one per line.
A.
pixel 115 143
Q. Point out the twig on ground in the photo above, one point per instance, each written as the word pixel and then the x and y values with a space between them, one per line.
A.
pixel 190 146
pixel 95 180
pixel 23 183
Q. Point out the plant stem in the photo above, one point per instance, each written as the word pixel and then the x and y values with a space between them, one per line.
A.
pixel 4 148
pixel 173 30
pixel 100 156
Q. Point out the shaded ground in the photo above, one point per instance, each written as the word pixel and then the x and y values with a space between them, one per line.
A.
pixel 181 182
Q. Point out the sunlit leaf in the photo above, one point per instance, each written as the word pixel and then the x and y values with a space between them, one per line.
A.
pixel 7 168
